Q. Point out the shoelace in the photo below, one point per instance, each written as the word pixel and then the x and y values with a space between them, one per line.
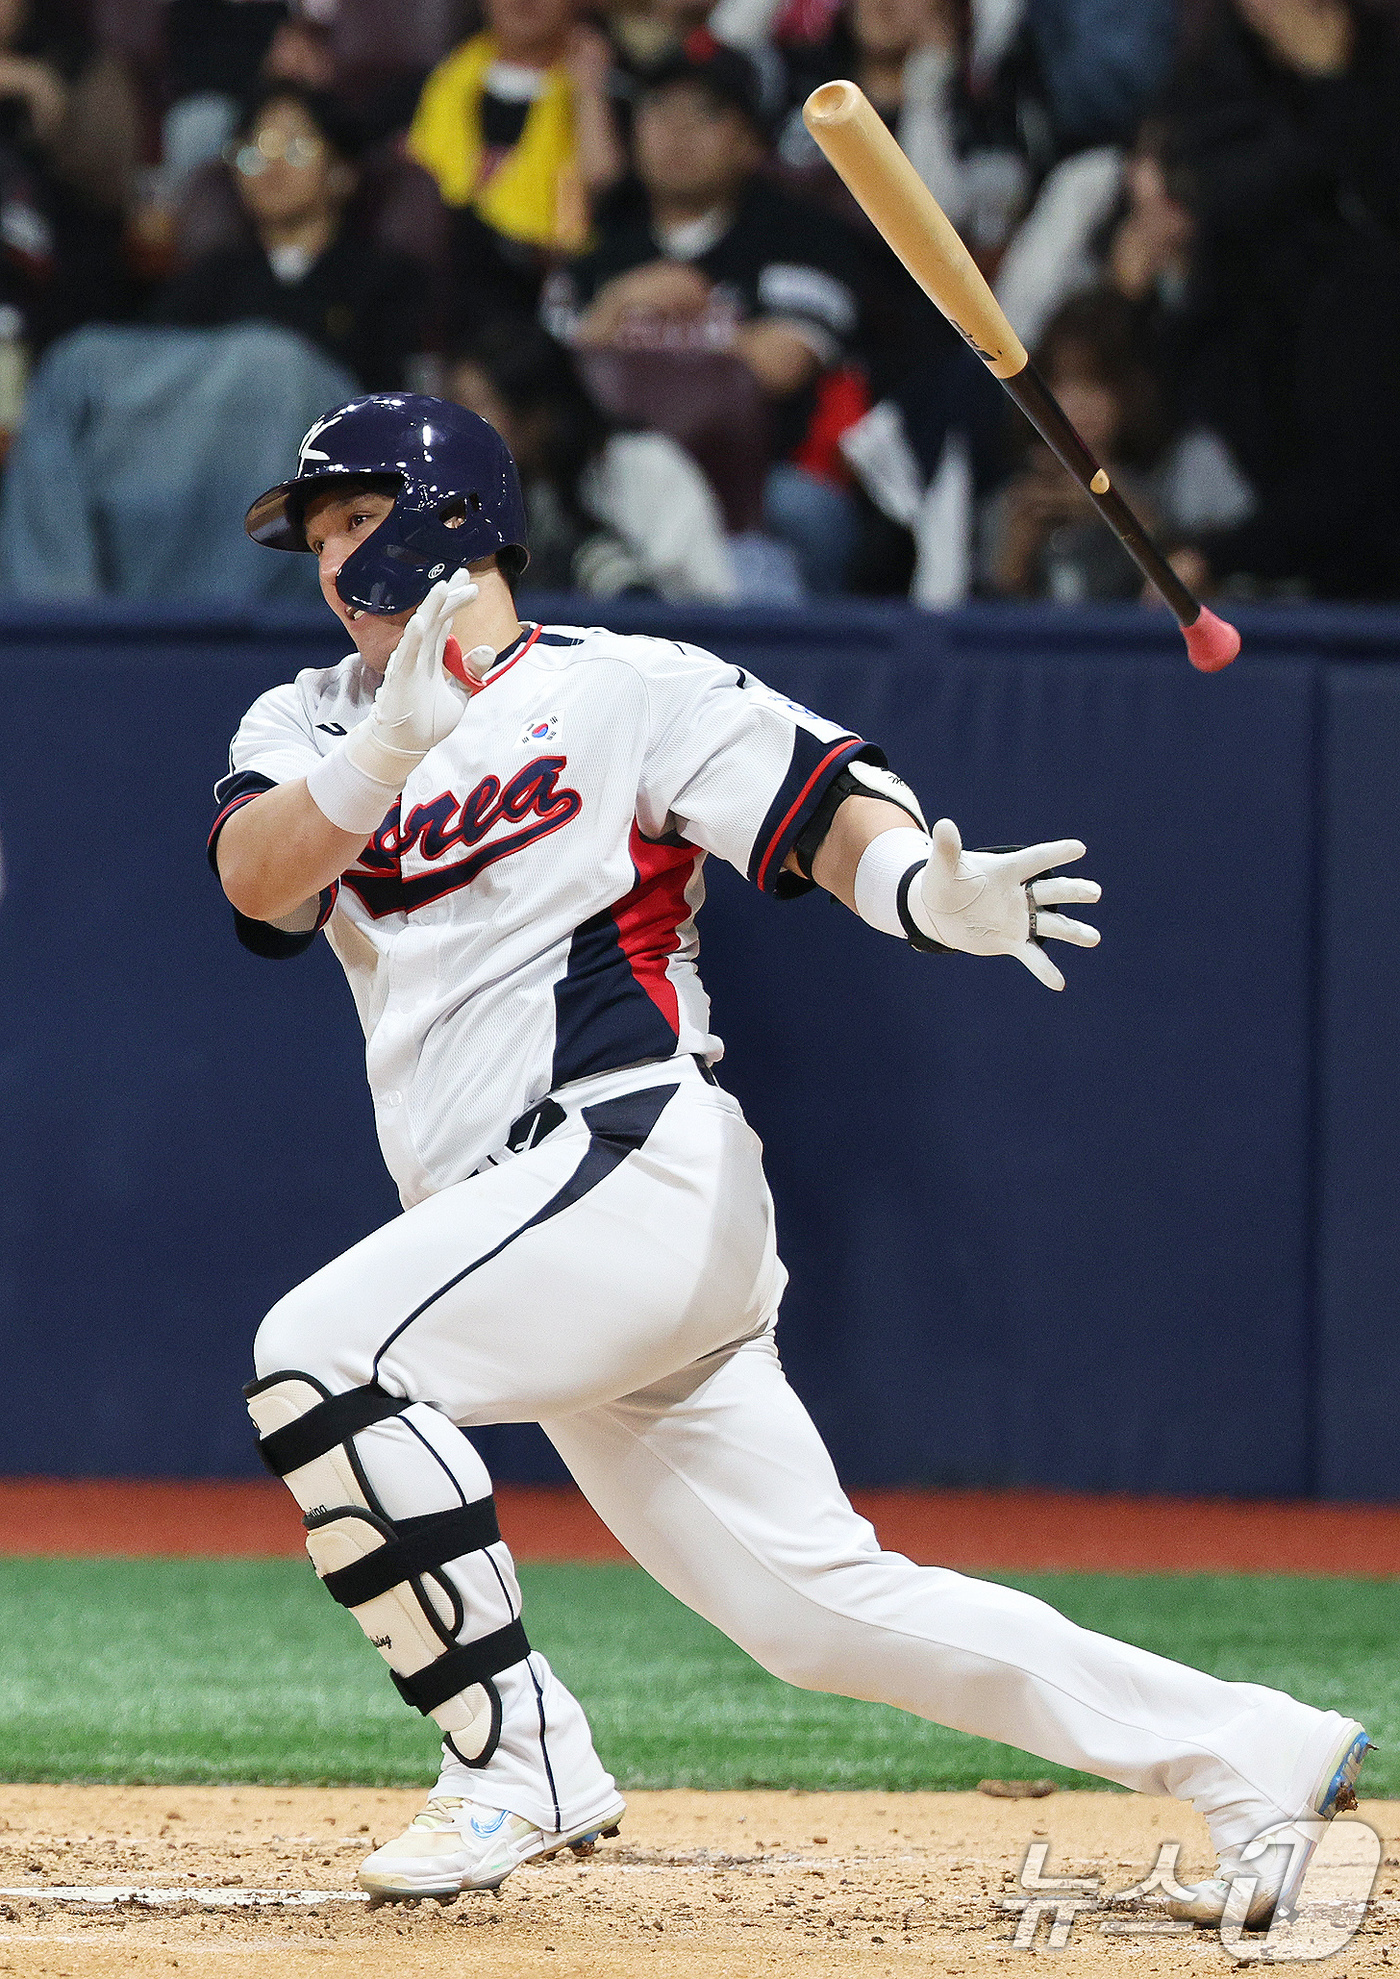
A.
pixel 438 1813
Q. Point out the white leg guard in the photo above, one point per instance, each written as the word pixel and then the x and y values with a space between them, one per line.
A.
pixel 384 1575
pixel 423 1586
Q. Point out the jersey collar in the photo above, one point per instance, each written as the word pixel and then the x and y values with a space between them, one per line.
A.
pixel 508 655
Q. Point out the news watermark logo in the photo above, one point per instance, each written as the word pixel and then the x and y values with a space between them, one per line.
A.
pixel 1330 1909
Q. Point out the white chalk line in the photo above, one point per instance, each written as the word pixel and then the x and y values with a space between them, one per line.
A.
pixel 110 1896
pixel 188 1947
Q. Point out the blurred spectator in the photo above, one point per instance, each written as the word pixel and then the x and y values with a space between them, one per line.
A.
pixel 1149 250
pixel 1045 539
pixel 327 53
pixel 715 255
pixel 301 51
pixel 306 268
pixel 907 57
pixel 68 152
pixel 988 100
pixel 214 49
pixel 928 454
pixel 1285 149
pixel 610 511
pixel 516 126
pixel 1148 262
pixel 645 33
pixel 1051 77
pixel 648 34
pixel 131 474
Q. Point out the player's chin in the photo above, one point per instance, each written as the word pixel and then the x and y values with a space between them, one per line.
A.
pixel 375 634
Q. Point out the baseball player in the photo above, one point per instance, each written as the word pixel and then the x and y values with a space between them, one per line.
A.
pixel 502 829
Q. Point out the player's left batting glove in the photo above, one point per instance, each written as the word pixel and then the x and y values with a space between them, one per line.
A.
pixel 418 705
pixel 993 903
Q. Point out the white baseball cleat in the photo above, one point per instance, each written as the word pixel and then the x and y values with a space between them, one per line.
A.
pixel 1278 1870
pixel 456 1845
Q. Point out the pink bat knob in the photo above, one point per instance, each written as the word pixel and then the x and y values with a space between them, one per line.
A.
pixel 1210 643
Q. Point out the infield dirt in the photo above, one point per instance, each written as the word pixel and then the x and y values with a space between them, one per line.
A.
pixel 698 1885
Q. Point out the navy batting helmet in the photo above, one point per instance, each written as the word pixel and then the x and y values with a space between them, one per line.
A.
pixel 458 496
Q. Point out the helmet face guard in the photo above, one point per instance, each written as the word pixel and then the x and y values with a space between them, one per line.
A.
pixel 458 497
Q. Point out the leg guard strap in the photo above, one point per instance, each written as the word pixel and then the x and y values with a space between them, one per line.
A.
pixel 322 1428
pixel 400 1609
pixel 469 1663
pixel 417 1544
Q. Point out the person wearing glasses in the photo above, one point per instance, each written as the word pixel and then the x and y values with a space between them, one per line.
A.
pixel 302 263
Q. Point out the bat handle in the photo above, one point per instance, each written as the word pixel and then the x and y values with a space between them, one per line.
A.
pixel 1210 642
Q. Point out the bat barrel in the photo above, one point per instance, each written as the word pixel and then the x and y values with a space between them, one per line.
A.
pixel 865 154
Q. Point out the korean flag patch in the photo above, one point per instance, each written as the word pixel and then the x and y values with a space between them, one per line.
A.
pixel 537 732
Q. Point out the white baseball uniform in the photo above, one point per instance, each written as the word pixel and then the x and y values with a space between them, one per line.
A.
pixel 588 1236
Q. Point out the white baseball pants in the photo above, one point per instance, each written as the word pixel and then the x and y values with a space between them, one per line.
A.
pixel 626 1301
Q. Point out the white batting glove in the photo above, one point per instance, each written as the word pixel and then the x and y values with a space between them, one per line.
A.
pixel 992 903
pixel 418 705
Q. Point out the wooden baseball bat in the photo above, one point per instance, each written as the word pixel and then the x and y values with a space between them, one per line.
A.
pixel 866 156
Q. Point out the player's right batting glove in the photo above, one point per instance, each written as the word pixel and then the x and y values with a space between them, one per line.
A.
pixel 418 705
pixel 992 903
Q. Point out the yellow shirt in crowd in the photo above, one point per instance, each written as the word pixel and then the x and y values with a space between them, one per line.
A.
pixel 535 193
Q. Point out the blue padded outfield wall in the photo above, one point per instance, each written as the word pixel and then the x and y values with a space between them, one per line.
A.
pixel 1141 1236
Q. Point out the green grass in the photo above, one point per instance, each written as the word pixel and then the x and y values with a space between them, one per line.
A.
pixel 215 1670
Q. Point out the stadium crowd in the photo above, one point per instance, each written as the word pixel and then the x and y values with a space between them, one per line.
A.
pixel 602 224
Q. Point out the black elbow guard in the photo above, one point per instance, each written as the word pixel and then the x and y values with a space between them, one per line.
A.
pixel 854 779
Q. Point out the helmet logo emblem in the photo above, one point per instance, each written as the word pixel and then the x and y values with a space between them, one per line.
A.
pixel 306 451
pixel 437 570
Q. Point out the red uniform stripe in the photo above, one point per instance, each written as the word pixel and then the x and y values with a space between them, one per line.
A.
pixel 649 919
